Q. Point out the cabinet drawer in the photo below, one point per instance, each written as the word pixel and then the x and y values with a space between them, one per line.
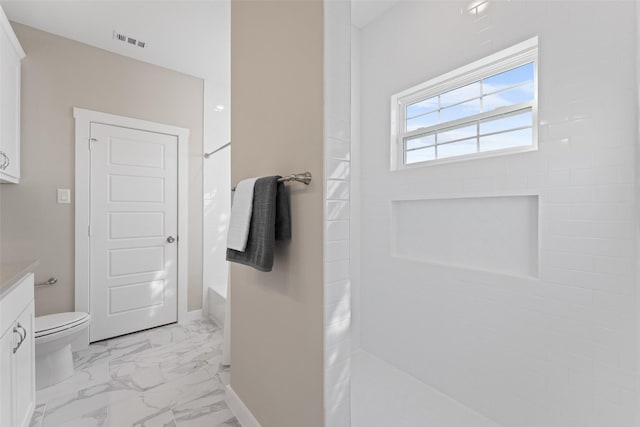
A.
pixel 15 302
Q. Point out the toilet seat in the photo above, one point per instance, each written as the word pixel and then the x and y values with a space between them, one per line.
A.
pixel 59 322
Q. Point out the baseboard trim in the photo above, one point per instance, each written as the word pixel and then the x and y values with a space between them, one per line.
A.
pixel 240 410
pixel 194 315
pixel 215 321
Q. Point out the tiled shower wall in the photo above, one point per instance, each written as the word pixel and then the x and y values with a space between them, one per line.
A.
pixel 557 350
pixel 337 30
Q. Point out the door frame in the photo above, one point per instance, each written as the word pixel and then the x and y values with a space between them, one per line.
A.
pixel 83 119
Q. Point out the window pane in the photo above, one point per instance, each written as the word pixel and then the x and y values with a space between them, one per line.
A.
pixel 420 141
pixel 459 148
pixel 512 77
pixel 501 141
pixel 460 94
pixel 459 111
pixel 504 123
pixel 422 107
pixel 508 97
pixel 422 155
pixel 422 121
pixel 457 133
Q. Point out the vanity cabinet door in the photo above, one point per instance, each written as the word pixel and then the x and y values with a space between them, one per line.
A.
pixel 9 110
pixel 24 366
pixel 7 342
pixel 10 55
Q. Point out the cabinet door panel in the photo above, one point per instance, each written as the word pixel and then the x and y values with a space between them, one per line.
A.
pixel 25 369
pixel 9 108
pixel 6 377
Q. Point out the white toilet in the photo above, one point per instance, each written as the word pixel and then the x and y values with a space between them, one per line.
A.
pixel 54 334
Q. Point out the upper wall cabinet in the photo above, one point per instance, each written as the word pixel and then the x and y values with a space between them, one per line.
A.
pixel 10 55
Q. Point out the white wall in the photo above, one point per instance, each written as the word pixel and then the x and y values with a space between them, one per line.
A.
pixel 217 168
pixel 337 165
pixel 356 159
pixel 558 350
pixel 217 189
pixel 637 235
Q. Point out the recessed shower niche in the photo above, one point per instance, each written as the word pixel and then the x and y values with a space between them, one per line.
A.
pixel 496 234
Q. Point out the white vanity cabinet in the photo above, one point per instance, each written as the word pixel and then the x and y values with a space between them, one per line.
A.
pixel 10 55
pixel 17 354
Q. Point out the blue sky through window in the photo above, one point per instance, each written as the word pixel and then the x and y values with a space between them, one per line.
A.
pixel 473 131
pixel 510 87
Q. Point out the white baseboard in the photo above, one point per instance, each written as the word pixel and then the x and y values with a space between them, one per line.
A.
pixel 216 305
pixel 240 410
pixel 194 315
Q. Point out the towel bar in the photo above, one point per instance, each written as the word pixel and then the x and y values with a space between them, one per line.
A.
pixel 304 177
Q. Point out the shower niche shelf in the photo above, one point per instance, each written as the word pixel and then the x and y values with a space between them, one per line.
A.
pixel 497 234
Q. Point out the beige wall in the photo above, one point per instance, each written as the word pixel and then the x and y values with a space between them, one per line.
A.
pixel 57 75
pixel 277 128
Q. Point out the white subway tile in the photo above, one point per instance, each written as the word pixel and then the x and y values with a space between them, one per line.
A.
pixel 337 332
pixel 616 266
pixel 337 190
pixel 338 149
pixel 337 251
pixel 558 178
pixel 338 312
pixel 337 169
pixel 568 260
pixel 337 210
pixel 568 195
pixel 614 193
pixel 603 212
pixel 337 291
pixel 337 230
pixel 584 108
pixel 336 271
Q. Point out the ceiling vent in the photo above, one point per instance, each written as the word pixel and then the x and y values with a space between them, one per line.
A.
pixel 128 40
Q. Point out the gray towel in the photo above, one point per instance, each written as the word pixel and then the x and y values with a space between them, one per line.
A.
pixel 270 221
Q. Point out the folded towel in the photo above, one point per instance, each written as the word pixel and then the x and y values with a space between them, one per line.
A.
pixel 271 221
pixel 241 215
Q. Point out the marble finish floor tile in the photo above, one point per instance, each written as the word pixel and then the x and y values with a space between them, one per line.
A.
pixel 210 409
pixel 169 376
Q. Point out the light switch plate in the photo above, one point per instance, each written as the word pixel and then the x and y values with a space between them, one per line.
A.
pixel 64 196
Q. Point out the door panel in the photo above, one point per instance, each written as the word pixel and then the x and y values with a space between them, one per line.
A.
pixel 10 105
pixel 24 360
pixel 125 188
pixel 133 212
pixel 136 296
pixel 125 225
pixel 136 261
pixel 7 399
pixel 129 152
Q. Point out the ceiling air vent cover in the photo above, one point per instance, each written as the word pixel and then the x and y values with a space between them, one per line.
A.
pixel 129 40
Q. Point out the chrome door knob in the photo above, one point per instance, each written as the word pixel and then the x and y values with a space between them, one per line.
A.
pixel 171 239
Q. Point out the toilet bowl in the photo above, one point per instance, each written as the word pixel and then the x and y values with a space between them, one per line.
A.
pixel 54 334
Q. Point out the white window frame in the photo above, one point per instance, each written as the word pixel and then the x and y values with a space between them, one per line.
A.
pixel 507 59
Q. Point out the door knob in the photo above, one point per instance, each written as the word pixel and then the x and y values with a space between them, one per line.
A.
pixel 171 239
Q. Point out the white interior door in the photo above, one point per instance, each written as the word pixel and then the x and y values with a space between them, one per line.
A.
pixel 133 230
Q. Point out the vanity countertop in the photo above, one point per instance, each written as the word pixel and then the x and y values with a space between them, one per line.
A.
pixel 12 272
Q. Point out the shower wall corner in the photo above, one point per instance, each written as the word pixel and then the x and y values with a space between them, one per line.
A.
pixel 337 212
